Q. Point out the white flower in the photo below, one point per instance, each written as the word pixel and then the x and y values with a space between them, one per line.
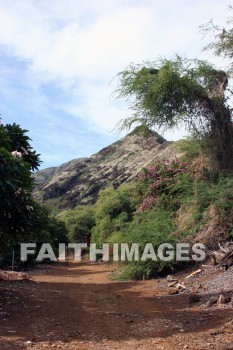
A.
pixel 16 154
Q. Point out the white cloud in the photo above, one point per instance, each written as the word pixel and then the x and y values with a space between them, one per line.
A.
pixel 77 53
pixel 80 46
pixel 72 51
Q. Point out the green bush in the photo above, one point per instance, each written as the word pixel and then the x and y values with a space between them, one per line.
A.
pixel 138 271
pixel 155 226
pixel 113 211
pixel 191 147
pixel 79 223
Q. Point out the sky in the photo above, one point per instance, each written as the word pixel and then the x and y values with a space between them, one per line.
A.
pixel 59 60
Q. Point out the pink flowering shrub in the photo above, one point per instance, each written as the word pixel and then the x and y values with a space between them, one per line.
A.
pixel 160 179
pixel 146 203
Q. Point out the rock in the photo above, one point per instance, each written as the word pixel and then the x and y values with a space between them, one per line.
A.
pixel 180 287
pixel 172 284
pixel 228 346
pixel 172 291
pixel 228 328
pixel 15 276
pixel 194 298
pixel 212 301
pixel 223 300
pixel 171 279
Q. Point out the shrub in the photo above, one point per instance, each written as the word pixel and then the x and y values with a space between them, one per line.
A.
pixel 138 271
pixel 79 223
pixel 113 211
pixel 164 184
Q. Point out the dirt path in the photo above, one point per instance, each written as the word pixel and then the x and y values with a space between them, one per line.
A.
pixel 76 306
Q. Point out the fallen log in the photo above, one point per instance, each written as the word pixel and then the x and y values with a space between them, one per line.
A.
pixel 223 257
pixel 194 273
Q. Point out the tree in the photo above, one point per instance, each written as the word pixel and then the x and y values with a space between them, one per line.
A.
pixel 167 93
pixel 17 160
pixel 223 38
pixel 22 219
pixel 19 142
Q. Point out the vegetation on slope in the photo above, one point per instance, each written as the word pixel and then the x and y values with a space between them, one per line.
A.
pixel 22 219
pixel 179 200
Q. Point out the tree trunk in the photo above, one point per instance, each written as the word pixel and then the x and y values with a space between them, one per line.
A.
pixel 221 139
pixel 220 125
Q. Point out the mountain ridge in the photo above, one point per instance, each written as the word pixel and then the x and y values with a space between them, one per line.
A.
pixel 79 181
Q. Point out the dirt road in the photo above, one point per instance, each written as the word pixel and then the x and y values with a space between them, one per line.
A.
pixel 76 306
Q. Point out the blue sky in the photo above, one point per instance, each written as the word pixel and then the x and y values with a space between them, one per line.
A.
pixel 58 59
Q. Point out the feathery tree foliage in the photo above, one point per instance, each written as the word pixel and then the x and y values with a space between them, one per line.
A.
pixel 168 93
pixel 223 38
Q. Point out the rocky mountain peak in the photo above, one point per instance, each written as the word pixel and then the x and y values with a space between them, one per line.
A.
pixel 80 180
